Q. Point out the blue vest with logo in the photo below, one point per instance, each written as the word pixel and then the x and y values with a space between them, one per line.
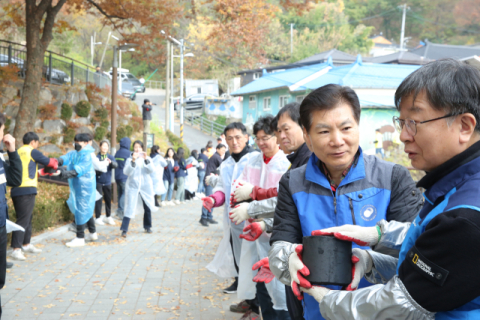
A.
pixel 362 198
pixel 460 189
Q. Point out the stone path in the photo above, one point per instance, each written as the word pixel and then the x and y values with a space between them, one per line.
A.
pixel 145 276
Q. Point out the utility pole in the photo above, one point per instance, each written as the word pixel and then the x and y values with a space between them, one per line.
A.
pixel 167 91
pixel 92 41
pixel 172 93
pixel 402 34
pixel 114 103
pixel 182 47
pixel 105 49
pixel 291 39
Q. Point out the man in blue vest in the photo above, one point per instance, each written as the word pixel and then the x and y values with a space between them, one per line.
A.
pixel 436 275
pixel 339 185
pixel 10 174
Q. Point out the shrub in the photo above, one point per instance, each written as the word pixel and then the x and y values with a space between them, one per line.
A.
pixel 50 207
pixel 222 120
pixel 136 126
pixel 54 139
pixel 66 112
pixel 100 133
pixel 47 111
pixel 121 133
pixel 105 124
pixel 177 142
pixel 83 108
pixel 68 135
pixel 101 114
pixel 129 130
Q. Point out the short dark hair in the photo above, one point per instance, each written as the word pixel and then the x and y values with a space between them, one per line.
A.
pixel 292 110
pixel 220 146
pixel 29 137
pixel 209 144
pixel 327 98
pixel 140 143
pixel 203 150
pixel 155 149
pixel 264 123
pixel 235 125
pixel 194 154
pixel 82 137
pixel 146 100
pixel 274 124
pixel 449 85
pixel 180 153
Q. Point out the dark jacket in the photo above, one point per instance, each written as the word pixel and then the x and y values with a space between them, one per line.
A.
pixel 168 173
pixel 299 157
pixel 121 156
pixel 105 178
pixel 182 171
pixel 147 112
pixel 12 172
pixel 203 158
pixel 213 164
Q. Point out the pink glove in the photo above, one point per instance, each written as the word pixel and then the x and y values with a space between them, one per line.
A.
pixel 208 203
pixel 264 274
pixel 254 230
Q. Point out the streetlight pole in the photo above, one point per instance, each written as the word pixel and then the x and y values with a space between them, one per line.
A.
pixel 172 93
pixel 181 89
pixel 114 102
pixel 167 91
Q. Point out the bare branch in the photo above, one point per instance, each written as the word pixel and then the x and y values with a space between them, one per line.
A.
pixel 99 8
pixel 50 22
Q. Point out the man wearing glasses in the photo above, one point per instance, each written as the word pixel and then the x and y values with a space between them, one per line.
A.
pixel 436 275
pixel 338 186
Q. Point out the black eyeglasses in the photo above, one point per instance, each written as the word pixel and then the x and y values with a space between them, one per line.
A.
pixel 412 124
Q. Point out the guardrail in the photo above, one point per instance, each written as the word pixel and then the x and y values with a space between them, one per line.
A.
pixel 57 68
pixel 205 125
pixel 155 84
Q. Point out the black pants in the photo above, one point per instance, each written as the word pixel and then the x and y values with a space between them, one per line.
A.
pixel 90 225
pixel 147 219
pixel 24 208
pixel 295 307
pixel 106 192
pixel 266 304
pixel 3 259
pixel 189 195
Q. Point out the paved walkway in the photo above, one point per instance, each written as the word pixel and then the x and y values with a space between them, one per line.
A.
pixel 145 276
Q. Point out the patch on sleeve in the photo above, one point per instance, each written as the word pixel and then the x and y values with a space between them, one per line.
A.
pixel 428 269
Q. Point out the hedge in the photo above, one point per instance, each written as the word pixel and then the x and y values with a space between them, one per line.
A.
pixel 83 108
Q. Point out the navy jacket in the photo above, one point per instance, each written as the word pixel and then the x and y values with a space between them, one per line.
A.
pixel 168 173
pixel 182 172
pixel 121 156
pixel 105 178
pixel 203 158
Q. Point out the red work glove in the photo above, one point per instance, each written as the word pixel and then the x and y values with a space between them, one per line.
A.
pixel 298 272
pixel 254 230
pixel 232 201
pixel 43 173
pixel 363 236
pixel 264 274
pixel 53 163
pixel 189 166
pixel 208 203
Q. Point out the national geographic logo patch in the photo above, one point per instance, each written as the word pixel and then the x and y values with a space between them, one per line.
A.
pixel 425 267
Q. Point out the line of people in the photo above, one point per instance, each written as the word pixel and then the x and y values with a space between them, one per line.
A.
pixel 413 257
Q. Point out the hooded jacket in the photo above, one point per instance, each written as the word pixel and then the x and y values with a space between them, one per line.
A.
pixel 105 178
pixel 121 156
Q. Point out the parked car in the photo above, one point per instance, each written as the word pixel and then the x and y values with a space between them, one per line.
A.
pixel 58 76
pixel 195 101
pixel 137 85
pixel 128 91
pixel 19 62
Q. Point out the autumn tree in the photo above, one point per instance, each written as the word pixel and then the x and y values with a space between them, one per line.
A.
pixel 137 21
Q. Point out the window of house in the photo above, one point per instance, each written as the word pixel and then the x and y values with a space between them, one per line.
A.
pixel 283 101
pixel 257 75
pixel 252 102
pixel 300 99
pixel 267 104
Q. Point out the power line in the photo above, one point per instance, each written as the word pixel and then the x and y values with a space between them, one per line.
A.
pixel 418 17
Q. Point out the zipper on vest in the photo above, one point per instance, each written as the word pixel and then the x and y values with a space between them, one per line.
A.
pixel 351 210
pixel 335 204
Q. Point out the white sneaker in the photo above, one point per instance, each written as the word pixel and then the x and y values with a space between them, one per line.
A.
pixel 31 248
pixel 91 236
pixel 177 202
pixel 77 242
pixel 110 221
pixel 171 203
pixel 99 221
pixel 18 255
pixel 163 204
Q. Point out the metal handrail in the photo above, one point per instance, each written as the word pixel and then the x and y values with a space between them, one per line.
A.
pixel 58 54
pixel 205 125
pixel 154 84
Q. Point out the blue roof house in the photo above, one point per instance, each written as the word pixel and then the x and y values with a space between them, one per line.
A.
pixel 375 85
